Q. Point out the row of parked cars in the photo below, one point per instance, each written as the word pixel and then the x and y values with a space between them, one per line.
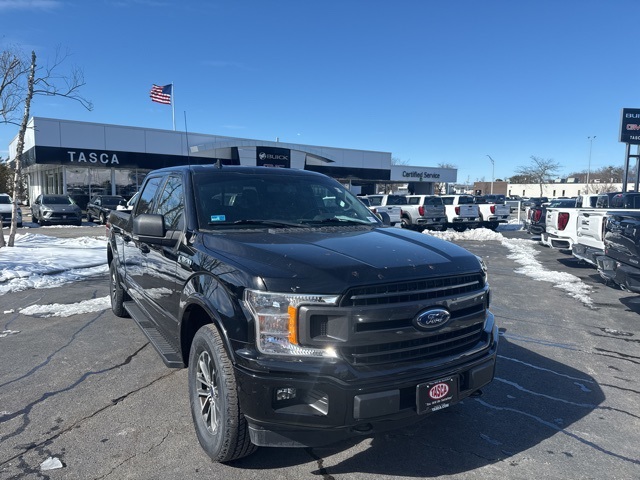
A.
pixel 601 230
pixel 62 209
pixel 439 212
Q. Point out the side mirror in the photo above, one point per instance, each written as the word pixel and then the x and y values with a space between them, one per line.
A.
pixel 149 228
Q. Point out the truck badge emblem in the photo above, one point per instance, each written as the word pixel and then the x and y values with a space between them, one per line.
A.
pixel 431 319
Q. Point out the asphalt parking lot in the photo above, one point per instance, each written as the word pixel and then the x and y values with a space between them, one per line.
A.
pixel 90 391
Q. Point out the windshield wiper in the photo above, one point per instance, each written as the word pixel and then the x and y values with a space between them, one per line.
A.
pixel 342 221
pixel 269 223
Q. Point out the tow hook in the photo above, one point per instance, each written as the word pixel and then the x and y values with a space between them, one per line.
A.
pixel 477 393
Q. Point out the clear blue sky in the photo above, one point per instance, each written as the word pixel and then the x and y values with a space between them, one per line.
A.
pixel 432 82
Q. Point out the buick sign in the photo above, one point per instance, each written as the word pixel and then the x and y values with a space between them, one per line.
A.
pixel 431 319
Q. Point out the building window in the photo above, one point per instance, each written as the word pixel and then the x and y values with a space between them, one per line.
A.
pixel 129 181
pixel 100 181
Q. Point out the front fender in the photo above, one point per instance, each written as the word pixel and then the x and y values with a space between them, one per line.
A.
pixel 206 299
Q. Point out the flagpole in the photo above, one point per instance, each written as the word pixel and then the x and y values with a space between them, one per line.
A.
pixel 173 105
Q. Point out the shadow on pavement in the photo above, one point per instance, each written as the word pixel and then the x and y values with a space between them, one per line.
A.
pixel 531 399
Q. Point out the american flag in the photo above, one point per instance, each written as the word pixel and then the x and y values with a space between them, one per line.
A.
pixel 161 94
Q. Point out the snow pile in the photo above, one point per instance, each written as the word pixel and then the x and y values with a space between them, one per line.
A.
pixel 524 253
pixel 41 261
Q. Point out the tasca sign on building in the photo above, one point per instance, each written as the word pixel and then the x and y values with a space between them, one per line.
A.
pixel 273 157
pixel 630 126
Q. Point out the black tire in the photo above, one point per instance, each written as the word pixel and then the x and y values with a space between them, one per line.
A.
pixel 102 218
pixel 219 422
pixel 406 223
pixel 89 217
pixel 117 293
pixel 460 228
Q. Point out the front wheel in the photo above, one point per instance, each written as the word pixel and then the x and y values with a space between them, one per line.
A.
pixel 219 422
pixel 102 218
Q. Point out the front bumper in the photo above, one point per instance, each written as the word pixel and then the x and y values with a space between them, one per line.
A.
pixel 62 218
pixel 331 405
pixel 6 219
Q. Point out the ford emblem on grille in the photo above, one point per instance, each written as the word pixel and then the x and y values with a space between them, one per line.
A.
pixel 432 318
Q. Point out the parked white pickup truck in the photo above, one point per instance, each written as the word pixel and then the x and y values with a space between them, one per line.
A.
pixel 589 238
pixel 561 227
pixel 461 212
pixel 591 224
pixel 389 204
pixel 492 214
pixel 563 224
pixel 424 211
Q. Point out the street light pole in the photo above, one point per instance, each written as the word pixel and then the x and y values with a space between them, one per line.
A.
pixel 589 168
pixel 493 166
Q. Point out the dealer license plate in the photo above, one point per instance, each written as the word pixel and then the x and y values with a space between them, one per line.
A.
pixel 436 395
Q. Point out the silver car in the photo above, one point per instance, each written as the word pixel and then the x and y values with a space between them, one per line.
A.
pixel 56 209
pixel 6 205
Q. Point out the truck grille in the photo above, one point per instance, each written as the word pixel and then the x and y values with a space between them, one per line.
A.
pixel 465 332
pixel 444 344
pixel 415 291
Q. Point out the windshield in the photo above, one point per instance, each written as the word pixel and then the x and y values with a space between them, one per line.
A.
pixel 5 200
pixel 226 199
pixel 50 200
pixel 112 202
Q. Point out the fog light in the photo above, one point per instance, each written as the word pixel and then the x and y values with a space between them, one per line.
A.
pixel 285 394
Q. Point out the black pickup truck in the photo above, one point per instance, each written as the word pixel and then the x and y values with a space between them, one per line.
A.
pixel 302 319
pixel 620 263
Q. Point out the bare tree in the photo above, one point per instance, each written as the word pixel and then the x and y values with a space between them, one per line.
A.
pixel 21 81
pixel 390 187
pixel 539 171
pixel 442 187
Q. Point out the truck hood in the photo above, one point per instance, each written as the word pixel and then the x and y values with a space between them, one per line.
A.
pixel 331 259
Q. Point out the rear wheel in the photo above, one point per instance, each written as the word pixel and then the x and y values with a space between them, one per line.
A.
pixel 219 422
pixel 118 294
pixel 406 223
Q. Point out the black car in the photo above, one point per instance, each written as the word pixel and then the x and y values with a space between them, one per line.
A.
pixel 56 209
pixel 533 202
pixel 537 218
pixel 101 205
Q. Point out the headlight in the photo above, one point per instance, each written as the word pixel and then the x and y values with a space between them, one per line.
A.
pixel 276 319
pixel 484 268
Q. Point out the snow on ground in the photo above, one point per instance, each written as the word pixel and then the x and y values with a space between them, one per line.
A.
pixel 41 261
pixel 524 253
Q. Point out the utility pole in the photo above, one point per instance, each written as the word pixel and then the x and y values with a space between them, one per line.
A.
pixel 493 166
pixel 589 167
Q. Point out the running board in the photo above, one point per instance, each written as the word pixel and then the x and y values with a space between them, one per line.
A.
pixel 169 355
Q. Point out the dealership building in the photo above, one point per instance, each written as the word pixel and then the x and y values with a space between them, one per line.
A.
pixel 83 159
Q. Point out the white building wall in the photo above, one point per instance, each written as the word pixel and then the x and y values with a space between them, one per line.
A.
pixel 563 189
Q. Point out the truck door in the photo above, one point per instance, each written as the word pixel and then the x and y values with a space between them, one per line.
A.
pixel 159 280
pixel 135 253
